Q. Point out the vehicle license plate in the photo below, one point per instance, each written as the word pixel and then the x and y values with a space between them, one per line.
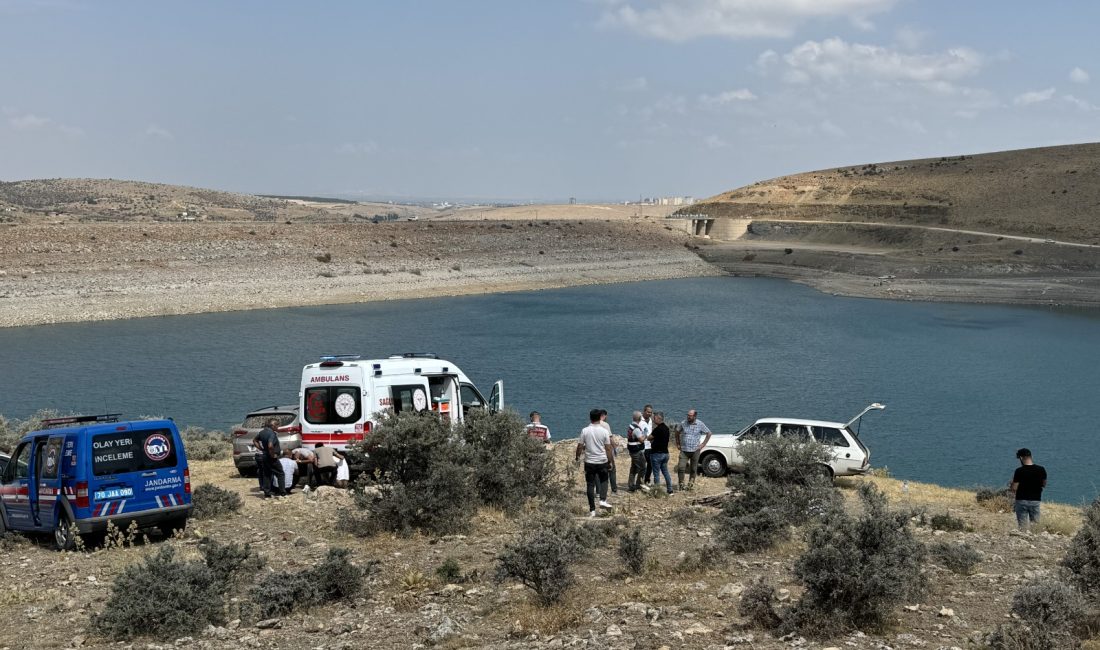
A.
pixel 114 493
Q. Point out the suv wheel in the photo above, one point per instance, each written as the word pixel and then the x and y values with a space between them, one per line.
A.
pixel 64 537
pixel 713 465
pixel 824 471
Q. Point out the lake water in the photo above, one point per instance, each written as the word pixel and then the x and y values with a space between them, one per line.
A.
pixel 965 385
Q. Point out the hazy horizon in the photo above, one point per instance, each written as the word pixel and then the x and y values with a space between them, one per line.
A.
pixel 495 100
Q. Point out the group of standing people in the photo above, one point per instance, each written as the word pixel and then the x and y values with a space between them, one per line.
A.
pixel 277 467
pixel 647 443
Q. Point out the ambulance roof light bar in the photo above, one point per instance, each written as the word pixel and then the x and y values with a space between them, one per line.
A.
pixel 341 357
pixel 53 423
pixel 415 355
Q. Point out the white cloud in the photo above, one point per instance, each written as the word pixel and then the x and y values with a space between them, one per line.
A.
pixel 21 121
pixel 1079 76
pixel 728 97
pixel 1033 97
pixel 714 142
pixel 634 85
pixel 155 131
pixel 1080 103
pixel 828 128
pixel 682 20
pixel 28 121
pixel 358 148
pixel 834 59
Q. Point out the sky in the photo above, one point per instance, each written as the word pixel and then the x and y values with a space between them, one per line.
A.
pixel 530 99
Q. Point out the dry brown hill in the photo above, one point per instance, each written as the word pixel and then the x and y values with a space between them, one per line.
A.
pixel 91 199
pixel 1049 191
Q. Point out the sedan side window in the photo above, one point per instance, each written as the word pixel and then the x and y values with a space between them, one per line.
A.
pixel 795 431
pixel 830 436
pixel 758 432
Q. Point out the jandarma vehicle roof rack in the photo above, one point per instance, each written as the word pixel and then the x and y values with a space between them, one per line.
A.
pixel 53 423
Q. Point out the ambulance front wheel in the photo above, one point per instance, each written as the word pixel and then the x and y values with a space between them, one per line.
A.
pixel 64 533
pixel 170 527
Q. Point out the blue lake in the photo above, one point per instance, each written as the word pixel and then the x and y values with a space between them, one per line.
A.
pixel 965 385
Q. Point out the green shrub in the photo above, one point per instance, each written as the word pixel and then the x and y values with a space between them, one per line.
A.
pixel 509 465
pixel 12 430
pixel 1082 559
pixel 450 571
pixel 442 503
pixel 209 501
pixel 783 484
pixel 161 597
pixel 228 560
pixel 278 594
pixel 334 578
pixel 205 444
pixel 944 521
pixel 757 605
pixel 541 562
pixel 856 570
pixel 959 558
pixel 1052 616
pixel 632 550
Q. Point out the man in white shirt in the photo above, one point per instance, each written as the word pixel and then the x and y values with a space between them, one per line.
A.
pixel 537 430
pixel 647 421
pixel 288 465
pixel 594 445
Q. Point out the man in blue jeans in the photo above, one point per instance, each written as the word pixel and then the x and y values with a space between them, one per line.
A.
pixel 1027 484
pixel 658 451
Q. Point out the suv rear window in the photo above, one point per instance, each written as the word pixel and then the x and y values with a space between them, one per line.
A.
pixel 133 451
pixel 333 405
pixel 259 420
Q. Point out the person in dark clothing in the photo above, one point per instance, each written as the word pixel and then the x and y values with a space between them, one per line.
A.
pixel 658 451
pixel 1027 484
pixel 271 472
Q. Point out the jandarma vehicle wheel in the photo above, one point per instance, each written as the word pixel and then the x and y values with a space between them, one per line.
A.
pixel 64 534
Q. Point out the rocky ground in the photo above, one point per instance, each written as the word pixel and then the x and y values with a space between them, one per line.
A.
pixel 65 271
pixel 48 597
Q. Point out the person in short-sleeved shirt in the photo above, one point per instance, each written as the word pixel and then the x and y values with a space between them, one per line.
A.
pixel 594 445
pixel 1027 483
pixel 536 429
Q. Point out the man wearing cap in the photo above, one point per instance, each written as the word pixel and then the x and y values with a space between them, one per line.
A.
pixel 1027 484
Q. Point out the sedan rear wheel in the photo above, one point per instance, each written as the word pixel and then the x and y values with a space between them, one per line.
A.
pixel 713 465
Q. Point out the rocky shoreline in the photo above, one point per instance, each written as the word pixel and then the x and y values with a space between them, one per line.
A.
pixel 75 272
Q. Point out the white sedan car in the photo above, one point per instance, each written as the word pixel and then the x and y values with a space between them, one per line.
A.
pixel 849 455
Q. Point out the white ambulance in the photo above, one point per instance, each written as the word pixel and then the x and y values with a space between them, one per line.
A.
pixel 342 395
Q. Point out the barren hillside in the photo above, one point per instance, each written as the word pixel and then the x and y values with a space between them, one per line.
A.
pixel 1050 191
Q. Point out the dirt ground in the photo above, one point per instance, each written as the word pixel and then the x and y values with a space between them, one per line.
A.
pixel 48 597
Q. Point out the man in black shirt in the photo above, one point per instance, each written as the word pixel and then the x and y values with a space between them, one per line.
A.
pixel 1027 484
pixel 267 444
pixel 658 451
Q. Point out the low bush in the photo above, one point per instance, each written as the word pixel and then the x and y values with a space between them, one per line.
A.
pixel 206 444
pixel 944 521
pixel 450 571
pixel 1052 616
pixel 994 499
pixel 1082 559
pixel 541 558
pixel 632 550
pixel 958 558
pixel 334 578
pixel 509 465
pixel 162 597
pixel 12 430
pixel 209 501
pixel 856 570
pixel 784 483
pixel 442 503
pixel 279 593
pixel 228 560
pixel 757 605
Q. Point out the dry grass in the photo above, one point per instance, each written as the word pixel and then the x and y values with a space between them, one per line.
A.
pixel 548 619
pixel 1058 521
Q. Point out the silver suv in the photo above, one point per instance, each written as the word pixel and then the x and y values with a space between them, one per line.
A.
pixel 289 430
